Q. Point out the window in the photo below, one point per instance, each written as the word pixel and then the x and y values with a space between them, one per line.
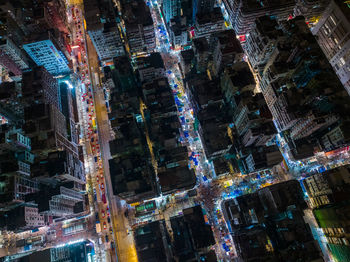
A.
pixel 332 19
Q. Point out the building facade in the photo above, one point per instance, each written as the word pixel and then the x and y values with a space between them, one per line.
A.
pixel 333 35
pixel 45 53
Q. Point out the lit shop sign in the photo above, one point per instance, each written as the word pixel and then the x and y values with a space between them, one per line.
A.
pixel 146 207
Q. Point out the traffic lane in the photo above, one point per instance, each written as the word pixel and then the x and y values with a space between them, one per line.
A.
pixel 90 109
pixel 125 245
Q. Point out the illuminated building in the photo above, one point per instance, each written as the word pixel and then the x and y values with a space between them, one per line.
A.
pixel 150 67
pixel 186 61
pixel 45 53
pixel 50 112
pixel 56 15
pixel 11 57
pixel 11 107
pixel 16 159
pixel 58 200
pixel 9 26
pixel 209 23
pixel 242 13
pixel 132 174
pixel 201 53
pixel 150 241
pixel 178 32
pixel 295 83
pixel 24 217
pixel 139 26
pixel 103 30
pixel 332 32
pixel 39 86
pixel 268 224
pixel 329 198
pixel 227 50
pixel 310 9
pixel 79 250
pixel 171 9
pixel 162 126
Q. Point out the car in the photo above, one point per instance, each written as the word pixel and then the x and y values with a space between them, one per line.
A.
pixel 104 200
pixel 104 225
pixel 102 186
pixel 107 240
pixel 103 213
pixel 108 220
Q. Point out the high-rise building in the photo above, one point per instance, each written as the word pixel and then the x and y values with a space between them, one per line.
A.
pixel 253 131
pixel 69 110
pixel 178 32
pixel 49 122
pixel 15 166
pixel 268 224
pixel 10 25
pixel 39 86
pixel 102 28
pixel 139 26
pixel 11 57
pixel 201 51
pixel 242 13
pixel 295 80
pixel 76 251
pixel 11 107
pixel 202 7
pixel 310 9
pixel 150 67
pixel 227 50
pixel 171 9
pixel 57 15
pixel 329 198
pixel 208 23
pixel 333 35
pixel 23 217
pixel 46 52
pixel 56 200
pixel 132 174
pixel 162 126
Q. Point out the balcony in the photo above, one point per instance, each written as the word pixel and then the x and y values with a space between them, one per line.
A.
pixel 10 167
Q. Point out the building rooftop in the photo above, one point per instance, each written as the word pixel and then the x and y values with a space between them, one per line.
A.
pixel 201 233
pixel 211 17
pixel 136 12
pixel 149 242
pixel 176 178
pixel 200 44
pixel 153 60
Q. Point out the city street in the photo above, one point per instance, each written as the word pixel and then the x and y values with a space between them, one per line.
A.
pixel 125 246
pixel 108 221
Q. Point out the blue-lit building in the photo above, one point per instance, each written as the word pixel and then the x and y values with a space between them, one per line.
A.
pixel 171 9
pixel 44 53
pixel 75 251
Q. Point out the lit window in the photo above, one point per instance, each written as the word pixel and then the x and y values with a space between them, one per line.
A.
pixel 342 61
pixel 333 21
